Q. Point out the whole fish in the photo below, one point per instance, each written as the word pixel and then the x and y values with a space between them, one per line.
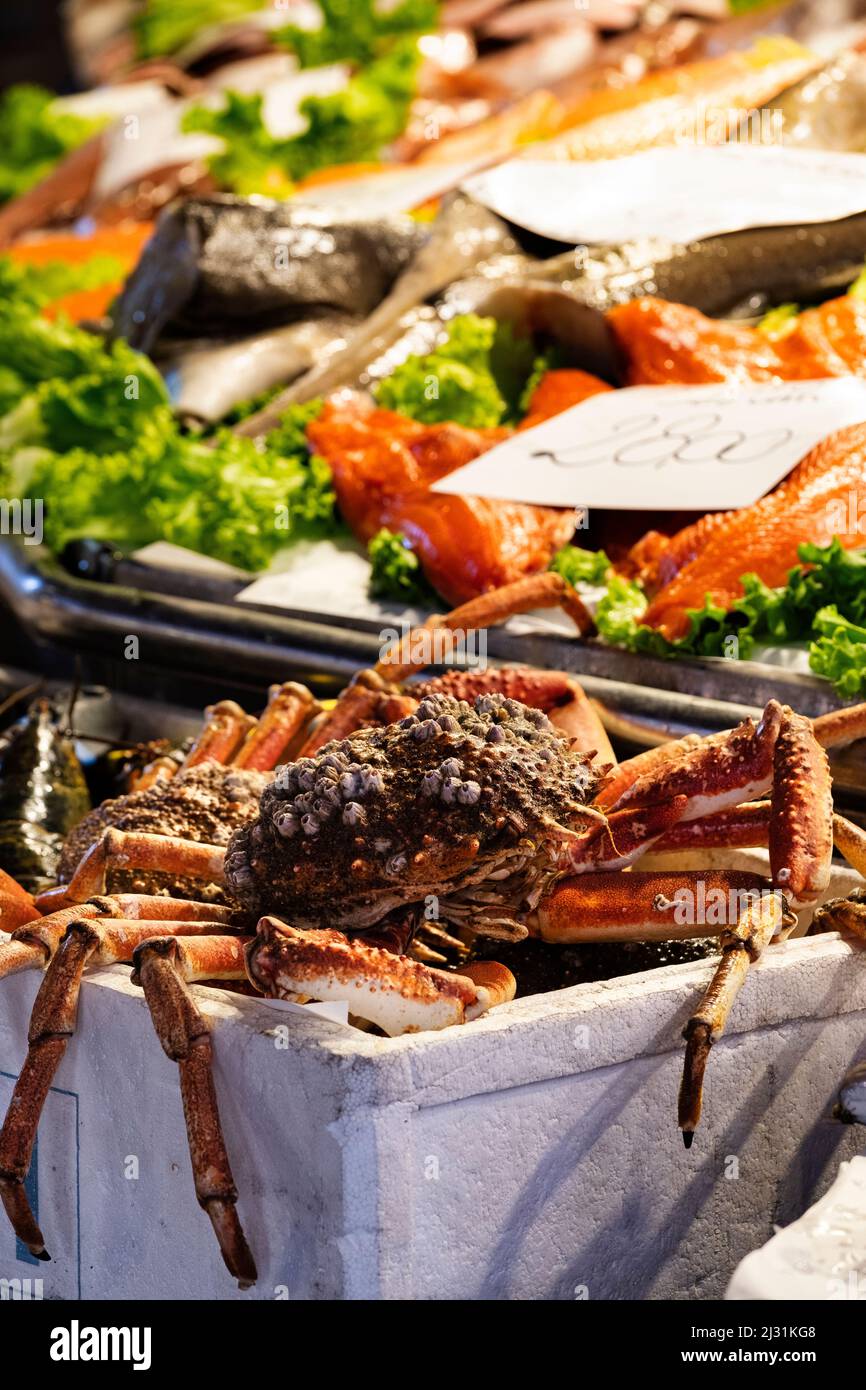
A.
pixel 736 274
pixel 43 794
pixel 463 236
pixel 226 264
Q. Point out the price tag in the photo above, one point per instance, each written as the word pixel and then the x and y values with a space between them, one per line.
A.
pixel 679 448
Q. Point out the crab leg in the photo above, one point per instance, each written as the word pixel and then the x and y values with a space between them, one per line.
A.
pixel 715 773
pixel 741 827
pixel 161 968
pixel 850 840
pixel 741 945
pixel 644 906
pixel 32 946
pixel 840 727
pixel 833 730
pixel 285 962
pixel 290 708
pixel 843 914
pixel 52 1023
pixel 16 904
pixel 801 813
pixel 622 837
pixel 547 590
pixel 133 849
pixel 225 728
pixel 357 705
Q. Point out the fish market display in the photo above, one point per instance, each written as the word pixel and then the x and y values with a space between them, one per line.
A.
pixel 501 808
pixel 274 275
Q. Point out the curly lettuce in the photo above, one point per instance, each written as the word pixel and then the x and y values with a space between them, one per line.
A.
pixel 163 26
pixel 87 428
pixel 35 133
pixel 477 377
pixel 823 603
pixel 357 31
pixel 395 570
pixel 580 566
pixel 347 127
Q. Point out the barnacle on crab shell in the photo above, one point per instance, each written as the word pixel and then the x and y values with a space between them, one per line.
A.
pixel 467 802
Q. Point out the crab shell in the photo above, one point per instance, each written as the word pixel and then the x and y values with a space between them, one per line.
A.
pixel 467 804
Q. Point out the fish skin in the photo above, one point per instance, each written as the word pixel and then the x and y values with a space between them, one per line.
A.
pixel 827 109
pixel 719 275
pixel 383 464
pixel 463 237
pixel 213 264
pixel 728 87
pixel 763 539
pixel 670 344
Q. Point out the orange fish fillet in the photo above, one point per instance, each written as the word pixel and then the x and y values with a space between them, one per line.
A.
pixel 667 344
pixel 812 504
pixel 383 465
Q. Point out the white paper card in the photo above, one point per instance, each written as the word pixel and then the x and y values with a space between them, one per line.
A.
pixel 680 194
pixel 679 448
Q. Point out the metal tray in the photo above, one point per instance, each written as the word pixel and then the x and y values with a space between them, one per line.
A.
pixel 193 624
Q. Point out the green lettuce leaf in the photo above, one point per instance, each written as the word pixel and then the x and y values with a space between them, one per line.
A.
pixel 396 570
pixel 358 31
pixel 824 600
pixel 91 433
pixel 163 26
pixel 36 285
pixel 350 126
pixel 35 134
pixel 839 652
pixel 477 377
pixel 580 566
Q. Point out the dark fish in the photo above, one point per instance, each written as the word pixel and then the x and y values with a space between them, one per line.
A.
pixel 43 794
pixel 463 237
pixel 227 265
pixel 738 273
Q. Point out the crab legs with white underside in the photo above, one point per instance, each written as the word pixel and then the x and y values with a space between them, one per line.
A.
pixel 461 791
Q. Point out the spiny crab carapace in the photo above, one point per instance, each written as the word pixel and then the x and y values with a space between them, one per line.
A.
pixel 508 815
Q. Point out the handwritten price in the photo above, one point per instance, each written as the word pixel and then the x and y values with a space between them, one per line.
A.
pixel 645 441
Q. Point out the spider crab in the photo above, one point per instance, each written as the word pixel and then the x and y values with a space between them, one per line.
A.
pixel 503 815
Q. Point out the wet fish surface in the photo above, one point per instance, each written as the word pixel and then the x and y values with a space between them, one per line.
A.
pixel 737 273
pixel 231 265
pixel 463 236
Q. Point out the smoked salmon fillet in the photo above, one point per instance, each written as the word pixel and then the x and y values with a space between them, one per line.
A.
pixel 812 504
pixel 666 344
pixel 383 465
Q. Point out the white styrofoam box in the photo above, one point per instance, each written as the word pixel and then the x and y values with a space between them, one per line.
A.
pixel 533 1154
pixel 822 1256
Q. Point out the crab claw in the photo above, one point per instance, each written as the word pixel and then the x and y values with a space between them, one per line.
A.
pixel 397 994
pixel 715 773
